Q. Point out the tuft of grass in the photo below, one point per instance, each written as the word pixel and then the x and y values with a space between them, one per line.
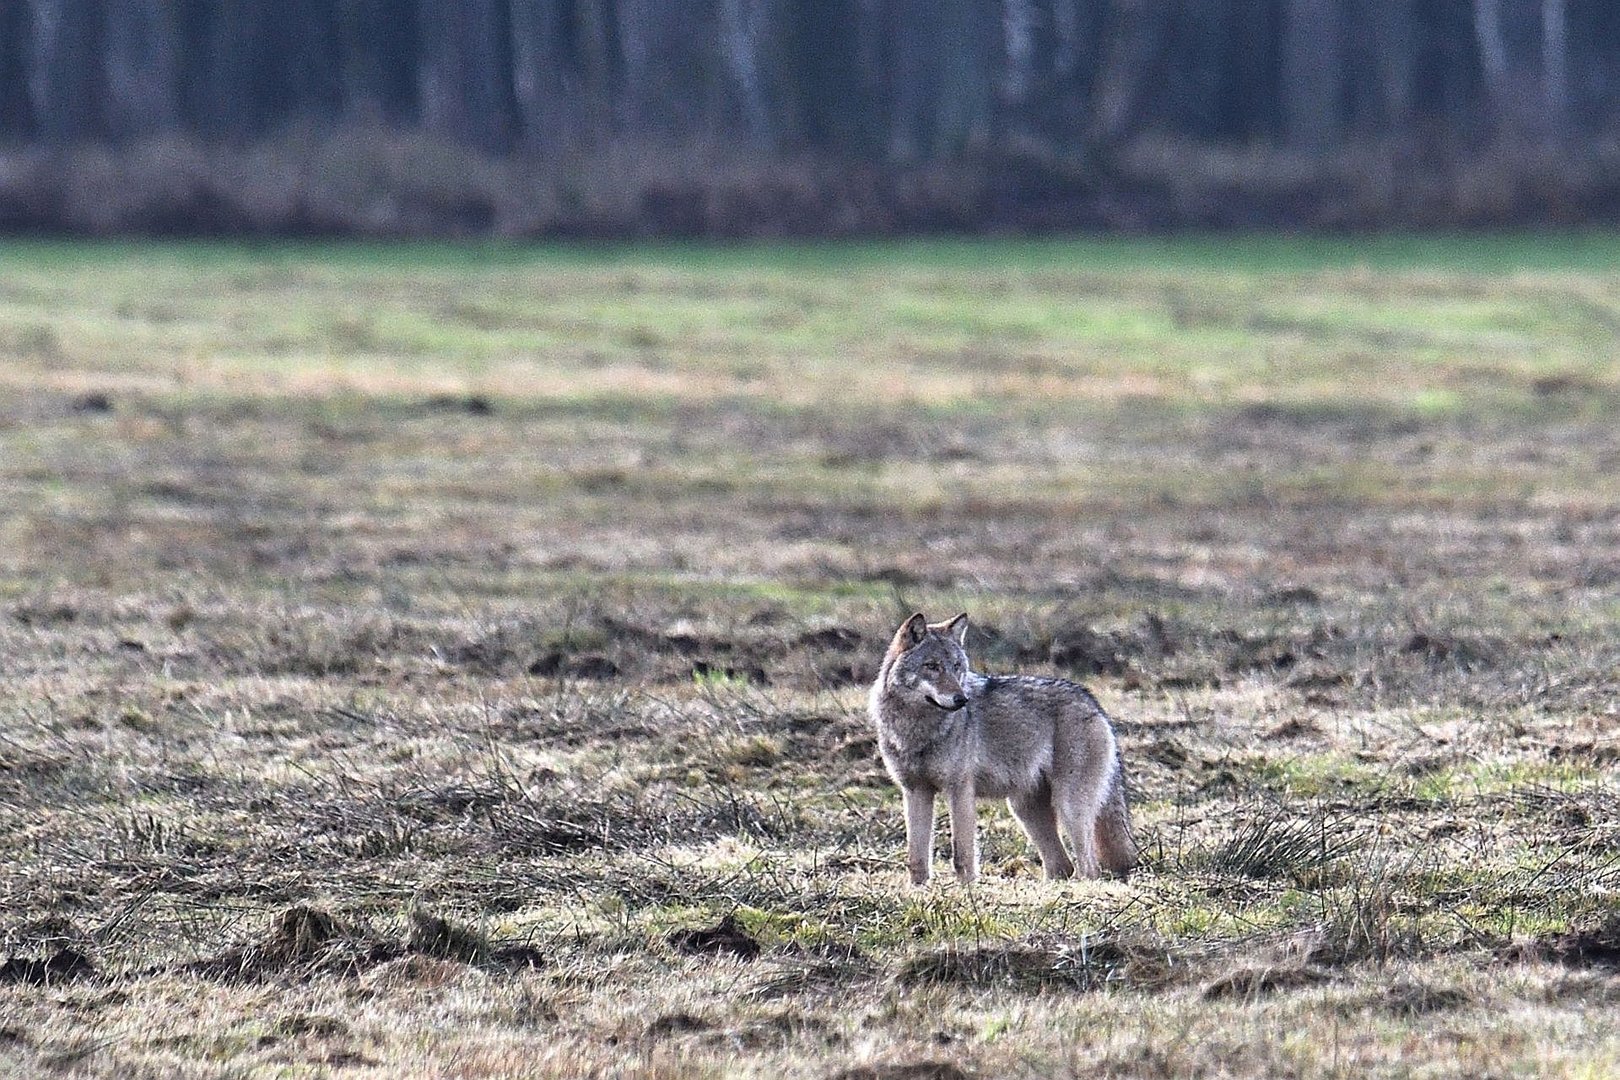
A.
pixel 1278 841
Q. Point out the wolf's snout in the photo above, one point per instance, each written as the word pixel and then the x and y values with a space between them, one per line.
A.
pixel 954 702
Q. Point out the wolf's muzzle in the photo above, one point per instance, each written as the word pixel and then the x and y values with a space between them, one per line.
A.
pixel 957 702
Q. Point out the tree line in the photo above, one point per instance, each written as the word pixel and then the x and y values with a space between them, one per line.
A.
pixel 897 79
pixel 892 83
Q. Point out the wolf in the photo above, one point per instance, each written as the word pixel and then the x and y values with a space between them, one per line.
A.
pixel 1044 745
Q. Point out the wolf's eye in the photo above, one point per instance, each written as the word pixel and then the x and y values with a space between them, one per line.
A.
pixel 931 667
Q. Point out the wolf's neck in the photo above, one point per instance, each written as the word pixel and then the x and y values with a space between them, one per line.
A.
pixel 910 726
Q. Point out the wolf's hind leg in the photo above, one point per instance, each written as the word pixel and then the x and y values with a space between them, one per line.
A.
pixel 1079 795
pixel 1035 812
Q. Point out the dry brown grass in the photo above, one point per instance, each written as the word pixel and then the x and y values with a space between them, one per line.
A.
pixel 377 712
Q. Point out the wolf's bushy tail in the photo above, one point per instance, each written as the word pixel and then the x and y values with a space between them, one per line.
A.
pixel 1116 846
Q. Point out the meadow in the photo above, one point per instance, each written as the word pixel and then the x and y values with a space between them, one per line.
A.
pixel 451 661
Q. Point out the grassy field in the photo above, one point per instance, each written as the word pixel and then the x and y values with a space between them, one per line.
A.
pixel 451 662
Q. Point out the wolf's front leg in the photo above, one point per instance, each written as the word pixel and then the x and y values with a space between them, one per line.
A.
pixel 964 834
pixel 919 832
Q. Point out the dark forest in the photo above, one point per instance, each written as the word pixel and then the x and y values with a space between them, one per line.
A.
pixel 739 117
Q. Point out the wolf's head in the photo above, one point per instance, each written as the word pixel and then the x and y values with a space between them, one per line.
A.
pixel 927 663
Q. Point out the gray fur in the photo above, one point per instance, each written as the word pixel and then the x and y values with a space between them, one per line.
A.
pixel 1044 745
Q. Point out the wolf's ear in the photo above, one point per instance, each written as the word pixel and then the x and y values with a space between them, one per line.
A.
pixel 957 628
pixel 911 632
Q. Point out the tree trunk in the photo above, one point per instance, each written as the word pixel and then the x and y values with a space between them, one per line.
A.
pixel 466 74
pixel 66 85
pixel 1555 64
pixel 1494 62
pixel 16 104
pixel 1135 42
pixel 545 86
pixel 1392 45
pixel 141 43
pixel 742 44
pixel 378 47
pixel 1018 30
pixel 943 86
pixel 1312 74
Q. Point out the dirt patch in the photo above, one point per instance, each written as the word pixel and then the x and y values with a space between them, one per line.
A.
pixel 349 1059
pixel 304 941
pixel 1086 964
pixel 726 938
pixel 294 1025
pixel 1590 946
pixel 1317 681
pixel 825 970
pixel 94 403
pixel 1085 651
pixel 1263 651
pixel 1292 595
pixel 465 404
pixel 831 639
pixel 593 648
pixel 46 613
pixel 1465 652
pixel 857 673
pixel 416 972
pixel 566 822
pixel 322 647
pixel 589 666
pixel 64 965
pixel 1294 728
pixel 1410 997
pixel 677 1023
pixel 1251 982
pixel 49 934
pixel 897 576
pixel 911 1070
pixel 703 670
pixel 814 976
pixel 301 942
pixel 1586 750
pixel 434 935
